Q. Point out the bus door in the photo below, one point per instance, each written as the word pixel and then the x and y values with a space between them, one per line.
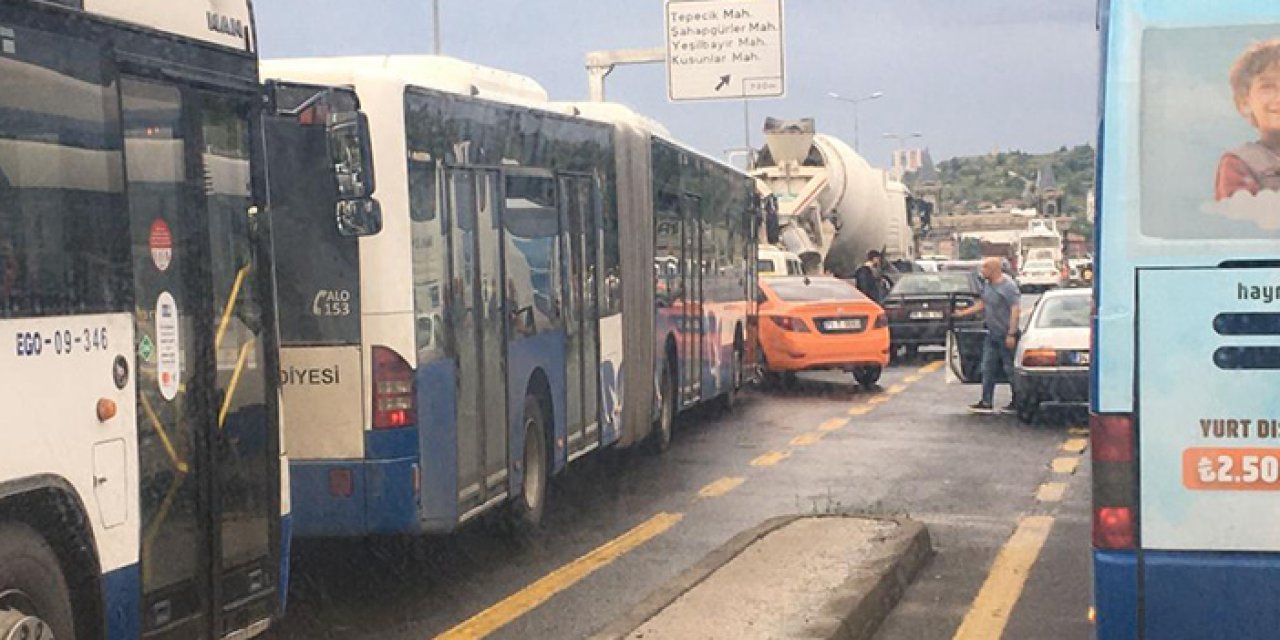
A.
pixel 477 303
pixel 690 324
pixel 582 380
pixel 207 431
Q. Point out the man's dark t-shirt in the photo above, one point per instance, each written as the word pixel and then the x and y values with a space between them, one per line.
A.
pixel 868 282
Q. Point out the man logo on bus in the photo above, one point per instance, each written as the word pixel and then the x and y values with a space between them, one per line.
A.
pixel 1254 167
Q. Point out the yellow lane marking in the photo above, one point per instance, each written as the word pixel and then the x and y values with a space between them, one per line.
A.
pixel 834 424
pixel 1079 431
pixel 880 399
pixel 896 389
pixel 1051 492
pixel 860 410
pixel 1065 465
pixel 720 487
pixel 913 378
pixel 806 439
pixel 931 367
pixel 530 597
pixel 990 611
pixel 1075 445
pixel 770 459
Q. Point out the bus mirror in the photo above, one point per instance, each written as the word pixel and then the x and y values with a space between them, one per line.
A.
pixel 351 154
pixel 359 217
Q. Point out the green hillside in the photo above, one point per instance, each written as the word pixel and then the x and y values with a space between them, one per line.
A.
pixel 970 182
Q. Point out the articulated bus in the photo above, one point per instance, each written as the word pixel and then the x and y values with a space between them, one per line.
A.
pixel 143 493
pixel 465 332
pixel 1186 414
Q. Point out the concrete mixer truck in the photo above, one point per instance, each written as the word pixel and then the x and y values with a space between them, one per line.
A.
pixel 832 206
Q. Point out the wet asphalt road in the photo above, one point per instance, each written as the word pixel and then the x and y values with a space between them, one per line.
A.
pixel 915 452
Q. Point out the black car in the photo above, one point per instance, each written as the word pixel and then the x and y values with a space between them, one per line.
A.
pixel 920 304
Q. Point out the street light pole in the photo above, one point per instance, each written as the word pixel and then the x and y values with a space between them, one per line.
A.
pixel 854 101
pixel 435 25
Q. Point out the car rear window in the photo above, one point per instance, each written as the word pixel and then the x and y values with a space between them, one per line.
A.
pixel 918 283
pixel 815 291
pixel 1063 312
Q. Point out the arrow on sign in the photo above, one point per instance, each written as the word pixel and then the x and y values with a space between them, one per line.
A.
pixel 724 82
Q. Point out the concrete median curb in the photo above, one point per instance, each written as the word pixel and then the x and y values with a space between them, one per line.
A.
pixel 852 611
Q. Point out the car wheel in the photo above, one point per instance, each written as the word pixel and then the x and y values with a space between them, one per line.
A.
pixel 35 602
pixel 1027 409
pixel 867 376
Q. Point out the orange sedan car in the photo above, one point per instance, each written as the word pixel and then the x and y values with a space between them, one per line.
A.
pixel 809 322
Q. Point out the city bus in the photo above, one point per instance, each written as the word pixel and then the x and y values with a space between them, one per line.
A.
pixel 143 493
pixel 469 335
pixel 1185 444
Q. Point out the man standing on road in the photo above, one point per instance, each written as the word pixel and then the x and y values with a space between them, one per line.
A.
pixel 1000 306
pixel 869 278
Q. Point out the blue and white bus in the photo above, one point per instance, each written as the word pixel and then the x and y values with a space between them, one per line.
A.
pixel 469 332
pixel 1185 402
pixel 142 491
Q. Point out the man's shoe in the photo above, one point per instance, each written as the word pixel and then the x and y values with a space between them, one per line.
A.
pixel 981 407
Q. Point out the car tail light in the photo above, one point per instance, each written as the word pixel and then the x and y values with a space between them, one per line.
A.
pixel 788 323
pixel 1114 481
pixel 881 322
pixel 395 402
pixel 1039 358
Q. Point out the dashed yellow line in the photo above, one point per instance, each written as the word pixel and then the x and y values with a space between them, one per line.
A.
pixel 720 487
pixel 530 597
pixel 931 367
pixel 806 439
pixel 834 424
pixel 913 378
pixel 1051 492
pixel 770 459
pixel 1079 431
pixel 880 399
pixel 1075 445
pixel 860 410
pixel 990 611
pixel 896 389
pixel 1065 465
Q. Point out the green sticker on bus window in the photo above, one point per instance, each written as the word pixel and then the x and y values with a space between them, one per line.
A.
pixel 146 349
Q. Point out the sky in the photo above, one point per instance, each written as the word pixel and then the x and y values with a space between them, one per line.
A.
pixel 969 75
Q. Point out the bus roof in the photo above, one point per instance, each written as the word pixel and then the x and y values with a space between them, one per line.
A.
pixel 440 73
pixel 226 23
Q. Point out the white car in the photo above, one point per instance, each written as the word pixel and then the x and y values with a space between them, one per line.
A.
pixel 1052 362
pixel 1040 275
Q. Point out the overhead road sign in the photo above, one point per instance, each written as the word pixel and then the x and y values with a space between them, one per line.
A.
pixel 724 49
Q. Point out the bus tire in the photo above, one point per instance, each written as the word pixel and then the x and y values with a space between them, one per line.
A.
pixel 35 602
pixel 730 396
pixel 660 441
pixel 528 508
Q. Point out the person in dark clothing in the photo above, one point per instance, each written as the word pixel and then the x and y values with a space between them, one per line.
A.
pixel 869 278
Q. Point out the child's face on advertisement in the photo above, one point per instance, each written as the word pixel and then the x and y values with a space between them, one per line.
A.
pixel 1262 104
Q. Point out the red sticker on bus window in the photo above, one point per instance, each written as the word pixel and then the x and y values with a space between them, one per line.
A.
pixel 160 240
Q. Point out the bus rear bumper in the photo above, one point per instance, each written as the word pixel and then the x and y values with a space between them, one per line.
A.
pixel 1188 594
pixel 380 498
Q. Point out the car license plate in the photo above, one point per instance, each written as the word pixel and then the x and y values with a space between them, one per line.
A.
pixel 842 325
pixel 1080 357
pixel 926 315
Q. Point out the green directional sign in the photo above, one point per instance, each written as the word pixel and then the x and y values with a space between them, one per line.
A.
pixel 146 349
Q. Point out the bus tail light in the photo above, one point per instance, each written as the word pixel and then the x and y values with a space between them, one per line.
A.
pixel 1114 481
pixel 395 397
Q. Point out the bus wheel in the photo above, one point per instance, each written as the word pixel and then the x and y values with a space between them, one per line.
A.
pixel 533 500
pixel 730 396
pixel 34 600
pixel 660 441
